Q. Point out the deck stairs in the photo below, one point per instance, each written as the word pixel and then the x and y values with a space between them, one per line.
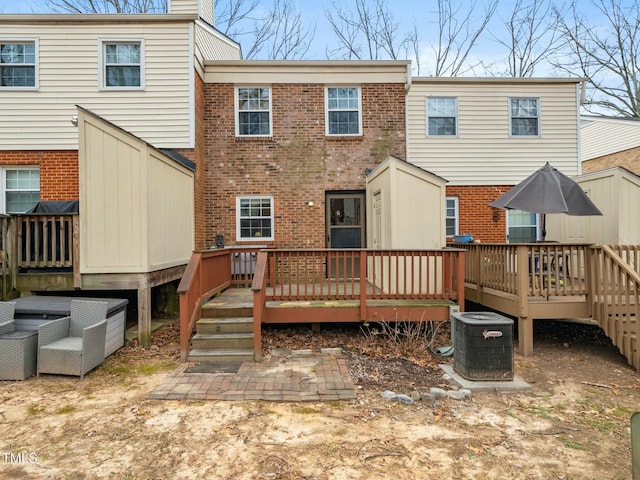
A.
pixel 224 333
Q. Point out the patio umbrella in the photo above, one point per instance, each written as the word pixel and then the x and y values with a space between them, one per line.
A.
pixel 547 190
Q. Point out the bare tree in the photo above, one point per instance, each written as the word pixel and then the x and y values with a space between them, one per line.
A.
pixel 278 33
pixel 368 31
pixel 459 28
pixel 531 37
pixel 607 53
pixel 108 6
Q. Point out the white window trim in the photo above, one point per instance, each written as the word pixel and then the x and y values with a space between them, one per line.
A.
pixel 3 182
pixel 537 225
pixel 457 215
pixel 426 111
pixel 237 111
pixel 538 124
pixel 36 73
pixel 239 238
pixel 102 64
pixel 326 111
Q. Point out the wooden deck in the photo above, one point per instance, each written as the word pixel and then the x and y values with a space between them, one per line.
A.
pixel 238 301
pixel 529 282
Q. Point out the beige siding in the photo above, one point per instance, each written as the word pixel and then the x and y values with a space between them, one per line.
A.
pixel 211 45
pixel 616 193
pixel 306 71
pixel 599 137
pixel 483 152
pixel 68 59
pixel 412 207
pixel 184 7
pixel 170 212
pixel 136 204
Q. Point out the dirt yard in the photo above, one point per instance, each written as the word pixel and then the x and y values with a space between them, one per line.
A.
pixel 573 425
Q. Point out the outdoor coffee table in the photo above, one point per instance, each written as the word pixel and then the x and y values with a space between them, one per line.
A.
pixel 18 354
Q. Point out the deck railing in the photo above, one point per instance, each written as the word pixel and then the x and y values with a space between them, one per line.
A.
pixel 46 242
pixel 615 296
pixel 352 274
pixel 208 273
pixel 541 269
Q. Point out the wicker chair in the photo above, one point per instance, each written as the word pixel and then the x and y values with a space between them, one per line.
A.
pixel 7 310
pixel 73 345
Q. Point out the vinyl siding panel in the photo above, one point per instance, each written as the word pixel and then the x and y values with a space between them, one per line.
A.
pixel 69 63
pixel 607 136
pixel 212 45
pixel 483 152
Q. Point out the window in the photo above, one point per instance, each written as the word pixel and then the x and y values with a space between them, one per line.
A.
pixel 122 64
pixel 21 189
pixel 451 216
pixel 522 227
pixel 343 111
pixel 442 115
pixel 254 218
pixel 524 116
pixel 254 111
pixel 18 64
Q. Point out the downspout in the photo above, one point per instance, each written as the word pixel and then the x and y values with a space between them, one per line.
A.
pixel 583 92
pixel 407 87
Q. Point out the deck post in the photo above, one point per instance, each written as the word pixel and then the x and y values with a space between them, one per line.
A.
pixel 363 286
pixel 525 323
pixel 144 316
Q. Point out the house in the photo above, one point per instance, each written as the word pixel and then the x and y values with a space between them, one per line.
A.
pixel 288 145
pixel 485 135
pixel 607 142
pixel 135 83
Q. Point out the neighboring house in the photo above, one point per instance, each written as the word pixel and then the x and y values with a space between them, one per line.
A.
pixel 288 145
pixel 485 135
pixel 607 142
pixel 141 75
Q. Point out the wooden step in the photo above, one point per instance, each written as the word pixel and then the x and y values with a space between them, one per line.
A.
pixel 225 325
pixel 222 341
pixel 223 310
pixel 240 355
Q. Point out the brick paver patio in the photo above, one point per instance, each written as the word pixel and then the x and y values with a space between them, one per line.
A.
pixel 285 377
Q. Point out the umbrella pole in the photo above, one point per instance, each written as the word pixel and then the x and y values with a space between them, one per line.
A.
pixel 544 226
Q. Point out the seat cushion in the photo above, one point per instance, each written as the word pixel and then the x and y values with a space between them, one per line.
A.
pixel 69 344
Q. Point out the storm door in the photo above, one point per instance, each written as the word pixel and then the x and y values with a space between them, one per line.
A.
pixel 345 229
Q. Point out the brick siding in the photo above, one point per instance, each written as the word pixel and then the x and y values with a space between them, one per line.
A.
pixel 58 171
pixel 476 217
pixel 298 163
pixel 629 159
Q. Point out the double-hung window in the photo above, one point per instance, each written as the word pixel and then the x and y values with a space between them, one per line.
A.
pixel 524 116
pixel 18 64
pixel 451 216
pixel 122 64
pixel 21 187
pixel 442 116
pixel 253 106
pixel 343 106
pixel 254 218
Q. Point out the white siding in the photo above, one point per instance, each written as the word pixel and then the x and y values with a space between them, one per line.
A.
pixel 184 6
pixel 483 152
pixel 69 59
pixel 599 137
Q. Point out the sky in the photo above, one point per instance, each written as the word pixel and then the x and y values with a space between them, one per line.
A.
pixel 406 13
